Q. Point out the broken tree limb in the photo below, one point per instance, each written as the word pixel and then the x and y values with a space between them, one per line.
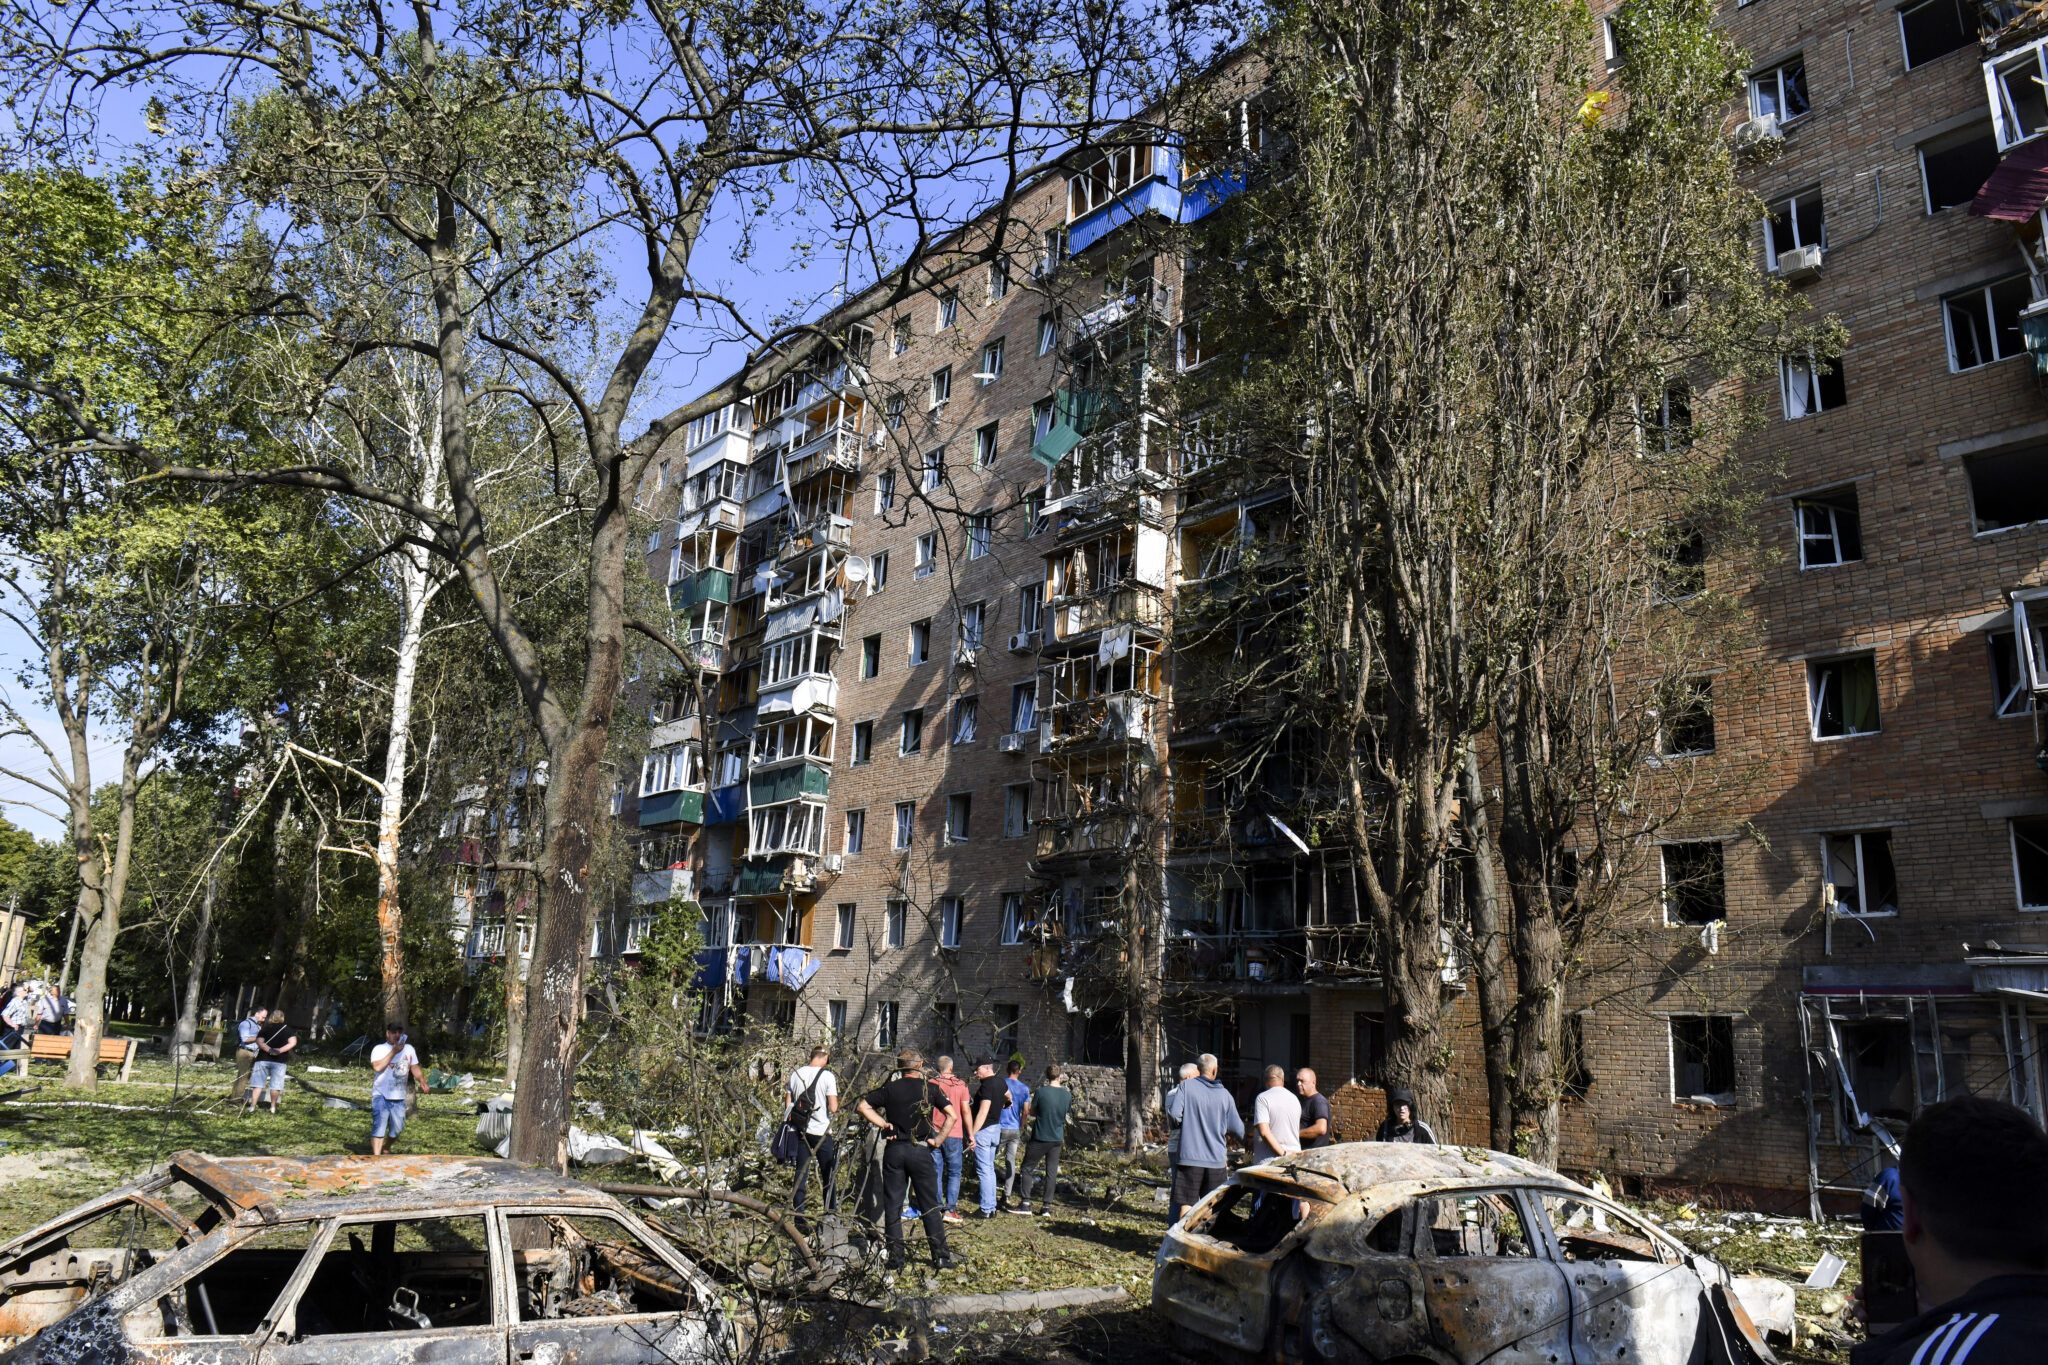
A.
pixel 751 1205
pixel 1014 1301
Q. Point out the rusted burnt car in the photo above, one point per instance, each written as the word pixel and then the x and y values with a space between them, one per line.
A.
pixel 1421 1255
pixel 353 1261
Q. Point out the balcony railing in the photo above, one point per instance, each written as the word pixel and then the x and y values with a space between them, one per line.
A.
pixel 1116 718
pixel 1127 603
pixel 818 532
pixel 1252 956
pixel 706 585
pixel 1097 834
pixel 835 447
pixel 720 513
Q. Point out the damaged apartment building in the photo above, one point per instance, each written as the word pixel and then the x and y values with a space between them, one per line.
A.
pixel 941 742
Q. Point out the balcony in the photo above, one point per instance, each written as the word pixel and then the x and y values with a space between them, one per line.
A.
pixel 662 886
pixel 804 778
pixel 1115 720
pixel 681 730
pixel 781 874
pixel 837 446
pixel 726 804
pixel 1126 603
pixel 706 585
pixel 1109 832
pixel 668 808
pixel 1249 958
pixel 721 513
pixel 815 534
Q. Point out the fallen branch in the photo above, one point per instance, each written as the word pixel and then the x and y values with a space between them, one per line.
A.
pixel 1014 1301
pixel 752 1205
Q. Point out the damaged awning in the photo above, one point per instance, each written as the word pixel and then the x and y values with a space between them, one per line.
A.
pixel 2017 189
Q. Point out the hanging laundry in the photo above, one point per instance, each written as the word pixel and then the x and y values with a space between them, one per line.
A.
pixel 742 962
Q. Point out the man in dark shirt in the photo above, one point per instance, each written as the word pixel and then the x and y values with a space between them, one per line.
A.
pixel 915 1116
pixel 1974 1180
pixel 984 1122
pixel 1045 1120
pixel 1315 1111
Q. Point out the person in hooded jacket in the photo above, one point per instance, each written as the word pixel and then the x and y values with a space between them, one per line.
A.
pixel 1401 1124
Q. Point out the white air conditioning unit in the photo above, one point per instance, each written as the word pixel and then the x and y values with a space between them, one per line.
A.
pixel 965 655
pixel 1024 642
pixel 1012 743
pixel 1750 132
pixel 1800 264
pixel 834 861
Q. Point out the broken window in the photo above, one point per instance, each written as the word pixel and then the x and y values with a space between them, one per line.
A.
pixel 1830 528
pixel 1792 222
pixel 906 815
pixel 1682 571
pixel 234 1294
pixel 1048 332
pixel 1810 385
pixel 1487 1224
pixel 871 656
pixel 1695 885
pixel 1935 28
pixel 863 741
pixel 1703 1057
pixel 2030 861
pixel 1017 810
pixel 959 811
pixel 1859 868
pixel 1954 168
pixel 949 309
pixel 926 561
pixel 964 715
pixel 842 937
pixel 2008 683
pixel 991 363
pixel 588 1266
pixel 1687 723
pixel 1670 426
pixel 1368 1047
pixel 942 389
pixel 1779 92
pixel 2009 488
pixel 82 1260
pixel 1879 1056
pixel 950 912
pixel 1842 694
pixel 920 642
pixel 1024 707
pixel 885 1024
pixel 406 1275
pixel 985 446
pixel 1984 323
pixel 2020 98
pixel 973 621
pixel 1590 1232
pixel 895 922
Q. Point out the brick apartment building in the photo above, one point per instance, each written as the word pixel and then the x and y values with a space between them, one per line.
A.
pixel 932 590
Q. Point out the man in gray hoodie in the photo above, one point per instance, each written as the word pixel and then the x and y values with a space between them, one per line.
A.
pixel 1206 1113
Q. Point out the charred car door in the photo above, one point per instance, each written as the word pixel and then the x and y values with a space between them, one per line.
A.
pixel 1494 1293
pixel 590 1288
pixel 1217 1268
pixel 220 1304
pixel 413 1290
pixel 53 1272
pixel 1635 1295
pixel 1368 1301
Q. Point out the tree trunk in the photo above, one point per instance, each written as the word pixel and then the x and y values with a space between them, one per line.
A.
pixel 294 991
pixel 1531 854
pixel 1489 961
pixel 103 926
pixel 515 1001
pixel 186 1032
pixel 391 806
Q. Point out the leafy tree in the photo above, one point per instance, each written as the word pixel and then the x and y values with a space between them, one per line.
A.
pixel 489 147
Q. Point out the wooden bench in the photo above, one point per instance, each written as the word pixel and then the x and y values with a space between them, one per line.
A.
pixel 56 1047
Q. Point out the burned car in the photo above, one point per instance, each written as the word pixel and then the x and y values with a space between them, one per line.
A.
pixel 379 1260
pixel 1393 1252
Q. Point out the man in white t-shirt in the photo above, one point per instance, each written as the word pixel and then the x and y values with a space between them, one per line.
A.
pixel 1276 1114
pixel 812 1102
pixel 394 1063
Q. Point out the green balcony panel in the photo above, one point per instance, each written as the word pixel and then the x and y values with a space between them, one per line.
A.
pixel 787 784
pixel 709 585
pixel 670 807
pixel 758 877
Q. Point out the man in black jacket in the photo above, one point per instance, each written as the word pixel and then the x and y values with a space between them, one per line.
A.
pixel 1401 1124
pixel 915 1116
pixel 1974 1173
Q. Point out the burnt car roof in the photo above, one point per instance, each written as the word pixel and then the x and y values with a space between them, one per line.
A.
pixel 317 1186
pixel 1359 1166
pixel 270 1188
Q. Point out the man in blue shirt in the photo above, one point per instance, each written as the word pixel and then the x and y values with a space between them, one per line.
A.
pixel 1882 1209
pixel 1010 1132
pixel 246 1050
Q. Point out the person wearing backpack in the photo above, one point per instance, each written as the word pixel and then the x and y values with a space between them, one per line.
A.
pixel 813 1101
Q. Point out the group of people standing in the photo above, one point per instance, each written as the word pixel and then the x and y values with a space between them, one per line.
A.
pixel 927 1125
pixel 32 1007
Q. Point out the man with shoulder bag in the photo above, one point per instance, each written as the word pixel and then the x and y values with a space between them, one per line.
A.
pixel 813 1102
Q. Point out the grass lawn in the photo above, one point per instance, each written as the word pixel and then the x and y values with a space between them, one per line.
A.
pixel 58 1148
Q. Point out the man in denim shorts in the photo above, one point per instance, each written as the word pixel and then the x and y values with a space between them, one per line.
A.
pixel 394 1063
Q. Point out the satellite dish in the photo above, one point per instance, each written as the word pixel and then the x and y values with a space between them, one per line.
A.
pixel 856 569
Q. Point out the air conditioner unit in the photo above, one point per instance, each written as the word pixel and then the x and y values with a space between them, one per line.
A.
pixel 1750 132
pixel 1800 264
pixel 1012 743
pixel 965 655
pixel 1024 642
pixel 834 862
